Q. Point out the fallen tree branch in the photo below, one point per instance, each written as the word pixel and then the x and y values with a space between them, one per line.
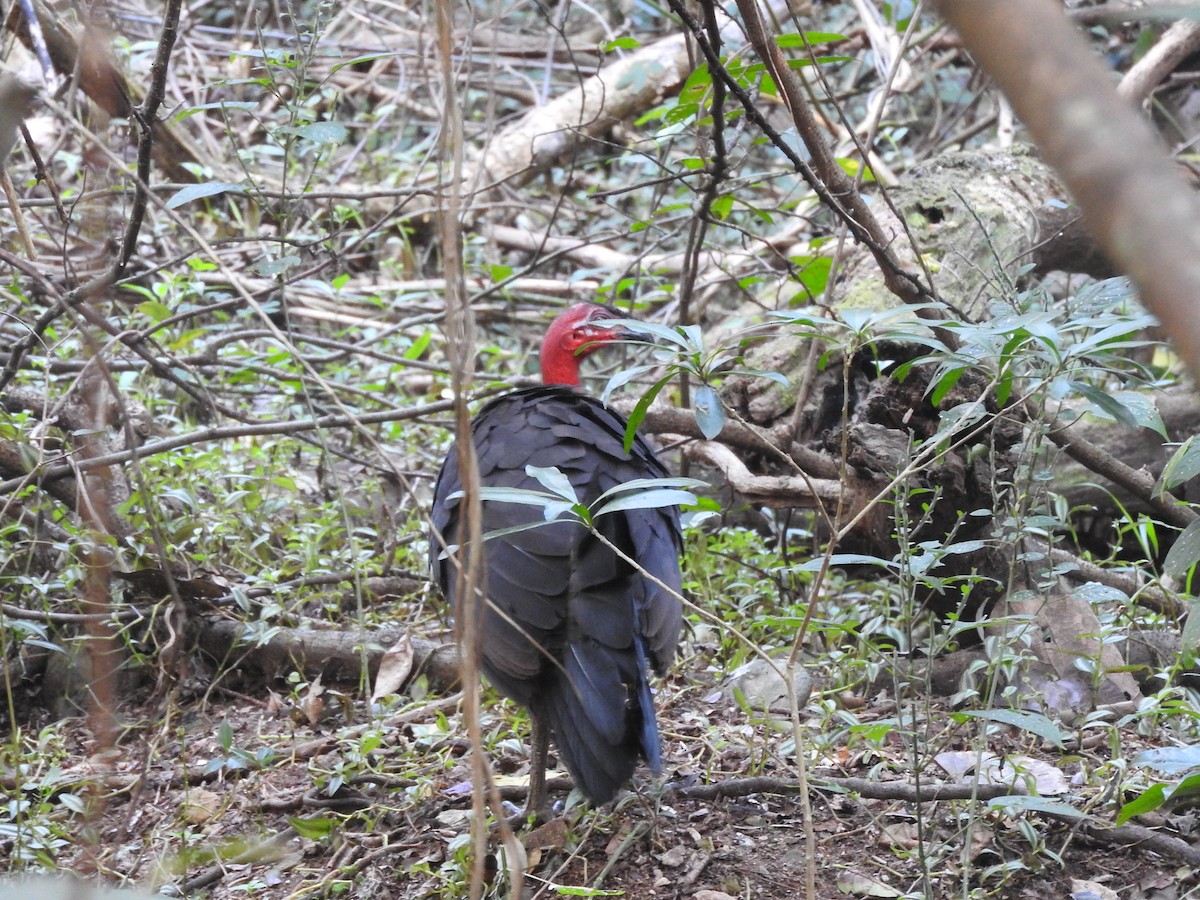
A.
pixel 776 491
pixel 332 655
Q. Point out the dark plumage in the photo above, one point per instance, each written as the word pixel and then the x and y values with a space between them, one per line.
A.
pixel 599 623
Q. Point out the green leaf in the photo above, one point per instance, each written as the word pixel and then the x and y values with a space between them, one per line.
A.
pixel 653 499
pixel 312 829
pixel 553 480
pixel 1183 465
pixel 846 559
pixel 223 105
pixel 1148 801
pixel 1143 411
pixel 200 191
pixel 1171 760
pixel 622 378
pixel 514 529
pixel 365 58
pixel 777 377
pixel 622 43
pixel 815 274
pixel 419 346
pixel 787 41
pixel 1028 803
pixel 1184 553
pixel 639 412
pixel 1189 639
pixel 644 484
pixel 154 310
pixel 710 414
pixel 853 167
pixel 521 496
pixel 1102 296
pixel 1105 404
pixel 944 384
pixel 1035 723
pixel 682 338
pixel 318 132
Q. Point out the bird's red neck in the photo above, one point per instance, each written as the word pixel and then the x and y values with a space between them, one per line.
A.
pixel 579 331
pixel 559 365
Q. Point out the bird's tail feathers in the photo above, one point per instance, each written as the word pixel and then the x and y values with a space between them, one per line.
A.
pixel 651 749
pixel 599 734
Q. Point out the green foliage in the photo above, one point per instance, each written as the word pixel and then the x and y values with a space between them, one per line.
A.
pixel 38 820
pixel 682 352
pixel 1185 790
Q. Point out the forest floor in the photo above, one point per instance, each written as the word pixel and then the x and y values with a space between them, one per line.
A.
pixel 236 793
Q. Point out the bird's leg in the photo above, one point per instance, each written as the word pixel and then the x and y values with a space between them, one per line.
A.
pixel 539 749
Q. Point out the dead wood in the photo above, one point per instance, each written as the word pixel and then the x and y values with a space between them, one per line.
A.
pixel 1148 653
pixel 548 134
pixel 341 656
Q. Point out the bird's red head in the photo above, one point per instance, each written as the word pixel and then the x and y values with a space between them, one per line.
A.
pixel 578 331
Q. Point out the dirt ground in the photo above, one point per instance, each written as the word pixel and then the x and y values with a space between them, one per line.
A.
pixel 236 793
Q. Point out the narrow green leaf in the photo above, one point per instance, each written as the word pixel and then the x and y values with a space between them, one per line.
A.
pixel 653 499
pixel 1035 723
pixel 1105 404
pixel 200 191
pixel 645 484
pixel 1148 801
pixel 1189 638
pixel 419 346
pixel 222 105
pixel 847 559
pixel 1184 553
pixel 520 496
pixel 364 58
pixel 1183 465
pixel 1028 803
pixel 787 41
pixel 944 384
pixel 777 377
pixel 622 378
pixel 661 332
pixel 553 480
pixel 512 529
pixel 639 412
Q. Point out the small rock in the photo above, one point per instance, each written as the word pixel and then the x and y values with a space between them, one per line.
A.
pixel 674 857
pixel 761 685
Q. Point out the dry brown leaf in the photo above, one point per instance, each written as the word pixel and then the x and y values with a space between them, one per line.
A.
pixel 1092 890
pixel 200 806
pixel 864 886
pixel 311 703
pixel 394 668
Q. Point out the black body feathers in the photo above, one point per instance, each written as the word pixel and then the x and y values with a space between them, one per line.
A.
pixel 600 623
